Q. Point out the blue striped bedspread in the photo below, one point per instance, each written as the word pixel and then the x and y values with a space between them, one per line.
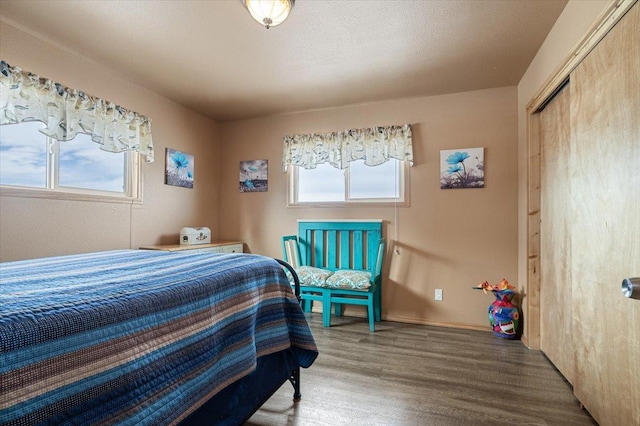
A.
pixel 137 337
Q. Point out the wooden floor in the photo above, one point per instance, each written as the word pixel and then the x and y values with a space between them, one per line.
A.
pixel 406 374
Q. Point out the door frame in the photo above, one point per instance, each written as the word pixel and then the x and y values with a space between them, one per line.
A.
pixel 598 30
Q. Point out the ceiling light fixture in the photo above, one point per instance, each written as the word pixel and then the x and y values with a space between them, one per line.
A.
pixel 269 12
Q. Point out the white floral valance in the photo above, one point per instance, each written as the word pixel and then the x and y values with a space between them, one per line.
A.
pixel 67 112
pixel 374 145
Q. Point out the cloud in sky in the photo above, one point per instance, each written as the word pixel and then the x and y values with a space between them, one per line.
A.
pixel 82 164
pixel 23 155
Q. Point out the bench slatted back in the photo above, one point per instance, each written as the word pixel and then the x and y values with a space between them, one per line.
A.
pixel 340 244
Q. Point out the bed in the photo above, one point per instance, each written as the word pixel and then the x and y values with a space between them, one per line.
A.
pixel 136 337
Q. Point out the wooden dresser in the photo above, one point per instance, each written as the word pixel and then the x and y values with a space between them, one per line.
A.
pixel 217 247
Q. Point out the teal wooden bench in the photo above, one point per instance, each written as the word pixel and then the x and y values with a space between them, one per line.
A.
pixel 338 262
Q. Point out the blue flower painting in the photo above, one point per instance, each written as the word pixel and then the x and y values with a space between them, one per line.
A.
pixel 462 168
pixel 253 176
pixel 179 169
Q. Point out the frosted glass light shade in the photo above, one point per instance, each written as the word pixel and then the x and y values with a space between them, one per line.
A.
pixel 269 12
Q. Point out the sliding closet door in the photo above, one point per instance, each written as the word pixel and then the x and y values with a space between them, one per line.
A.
pixel 604 169
pixel 556 339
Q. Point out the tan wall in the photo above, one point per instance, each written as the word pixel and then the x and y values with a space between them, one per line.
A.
pixel 449 239
pixel 433 232
pixel 41 227
pixel 574 22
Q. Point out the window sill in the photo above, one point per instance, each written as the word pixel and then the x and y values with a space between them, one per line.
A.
pixel 20 192
pixel 339 204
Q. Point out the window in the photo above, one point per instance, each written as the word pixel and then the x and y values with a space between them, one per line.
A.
pixel 30 161
pixel 358 183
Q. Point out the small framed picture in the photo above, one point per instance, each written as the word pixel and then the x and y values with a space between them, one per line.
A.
pixel 253 176
pixel 179 169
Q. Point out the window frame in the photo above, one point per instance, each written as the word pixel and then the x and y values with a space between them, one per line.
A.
pixel 132 181
pixel 402 201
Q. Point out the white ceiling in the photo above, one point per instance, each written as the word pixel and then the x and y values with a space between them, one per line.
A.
pixel 214 58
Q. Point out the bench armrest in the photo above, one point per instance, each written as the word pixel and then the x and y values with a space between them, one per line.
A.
pixel 376 272
pixel 291 250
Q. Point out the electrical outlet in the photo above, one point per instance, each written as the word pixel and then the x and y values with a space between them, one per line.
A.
pixel 438 295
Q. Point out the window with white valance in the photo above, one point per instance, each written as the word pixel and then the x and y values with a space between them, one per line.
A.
pixel 373 145
pixel 359 166
pixel 66 112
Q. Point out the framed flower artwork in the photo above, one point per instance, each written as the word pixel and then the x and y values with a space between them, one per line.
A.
pixel 462 168
pixel 178 169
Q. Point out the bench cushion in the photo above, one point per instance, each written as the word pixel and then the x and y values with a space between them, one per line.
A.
pixel 312 276
pixel 349 279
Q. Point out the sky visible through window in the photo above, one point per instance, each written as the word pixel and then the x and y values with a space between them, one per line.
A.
pixel 374 182
pixel 23 155
pixel 326 183
pixel 82 164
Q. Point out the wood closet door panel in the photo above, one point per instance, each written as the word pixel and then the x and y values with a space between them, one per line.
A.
pixel 605 188
pixel 556 338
